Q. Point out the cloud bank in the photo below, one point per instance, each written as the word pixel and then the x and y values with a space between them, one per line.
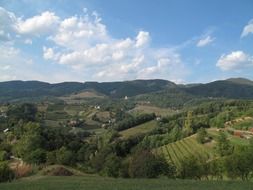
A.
pixel 83 44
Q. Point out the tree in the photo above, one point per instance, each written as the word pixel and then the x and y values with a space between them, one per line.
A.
pixel 175 133
pixel 223 146
pixel 26 112
pixel 217 168
pixel 37 156
pixel 188 130
pixel 240 163
pixel 144 164
pixel 65 156
pixel 51 157
pixel 201 135
pixel 112 165
pixel 30 140
pixel 191 168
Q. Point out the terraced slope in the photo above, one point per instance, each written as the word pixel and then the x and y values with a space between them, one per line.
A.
pixel 185 148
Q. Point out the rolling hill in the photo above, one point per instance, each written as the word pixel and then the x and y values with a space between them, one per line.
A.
pixel 236 88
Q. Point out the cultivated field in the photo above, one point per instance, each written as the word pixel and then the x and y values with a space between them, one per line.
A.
pixel 139 129
pixel 185 148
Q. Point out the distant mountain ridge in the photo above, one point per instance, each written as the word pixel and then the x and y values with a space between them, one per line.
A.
pixel 230 88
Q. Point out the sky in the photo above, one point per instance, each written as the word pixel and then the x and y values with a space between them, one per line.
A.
pixel 184 41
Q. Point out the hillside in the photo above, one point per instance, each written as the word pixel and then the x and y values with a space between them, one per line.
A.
pixel 231 88
pixel 29 89
pixel 150 89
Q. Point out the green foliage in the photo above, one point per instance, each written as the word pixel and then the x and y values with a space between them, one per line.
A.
pixel 30 140
pixel 112 166
pixel 201 135
pixel 187 129
pixel 240 163
pixel 25 112
pixel 223 146
pixel 217 169
pixel 193 168
pixel 51 157
pixel 133 121
pixel 3 155
pixel 6 174
pixel 144 164
pixel 65 156
pixel 37 156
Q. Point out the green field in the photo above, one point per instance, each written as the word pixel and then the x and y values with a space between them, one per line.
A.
pixel 100 183
pixel 233 139
pixel 152 109
pixel 139 129
pixel 185 148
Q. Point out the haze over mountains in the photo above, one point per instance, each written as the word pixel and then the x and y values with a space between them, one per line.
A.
pixel 231 88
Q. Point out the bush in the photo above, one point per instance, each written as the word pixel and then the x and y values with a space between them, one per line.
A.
pixel 65 156
pixel 201 136
pixel 51 157
pixel 6 174
pixel 191 168
pixel 37 156
pixel 112 166
pixel 144 164
pixel 3 155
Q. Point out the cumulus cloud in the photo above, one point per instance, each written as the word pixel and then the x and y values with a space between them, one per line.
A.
pixel 41 24
pixel 142 39
pixel 236 60
pixel 83 43
pixel 38 25
pixel 248 29
pixel 205 41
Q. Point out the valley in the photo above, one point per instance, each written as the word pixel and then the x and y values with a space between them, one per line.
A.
pixel 116 133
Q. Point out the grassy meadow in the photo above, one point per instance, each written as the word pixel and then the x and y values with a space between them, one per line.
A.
pixel 101 183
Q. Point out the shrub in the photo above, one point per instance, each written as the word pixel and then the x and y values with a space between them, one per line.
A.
pixel 6 174
pixel 65 156
pixel 3 155
pixel 144 164
pixel 37 156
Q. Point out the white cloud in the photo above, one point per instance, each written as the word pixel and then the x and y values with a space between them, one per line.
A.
pixel 80 32
pixel 7 24
pixel 38 25
pixel 248 29
pixel 48 53
pixel 142 39
pixel 28 41
pixel 85 44
pixel 236 60
pixel 82 45
pixel 205 41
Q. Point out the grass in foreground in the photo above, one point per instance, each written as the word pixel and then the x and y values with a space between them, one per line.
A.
pixel 100 183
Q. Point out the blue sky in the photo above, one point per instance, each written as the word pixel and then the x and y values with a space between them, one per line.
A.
pixel 184 41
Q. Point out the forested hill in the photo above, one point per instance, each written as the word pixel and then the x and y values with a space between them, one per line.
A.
pixel 25 89
pixel 230 88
